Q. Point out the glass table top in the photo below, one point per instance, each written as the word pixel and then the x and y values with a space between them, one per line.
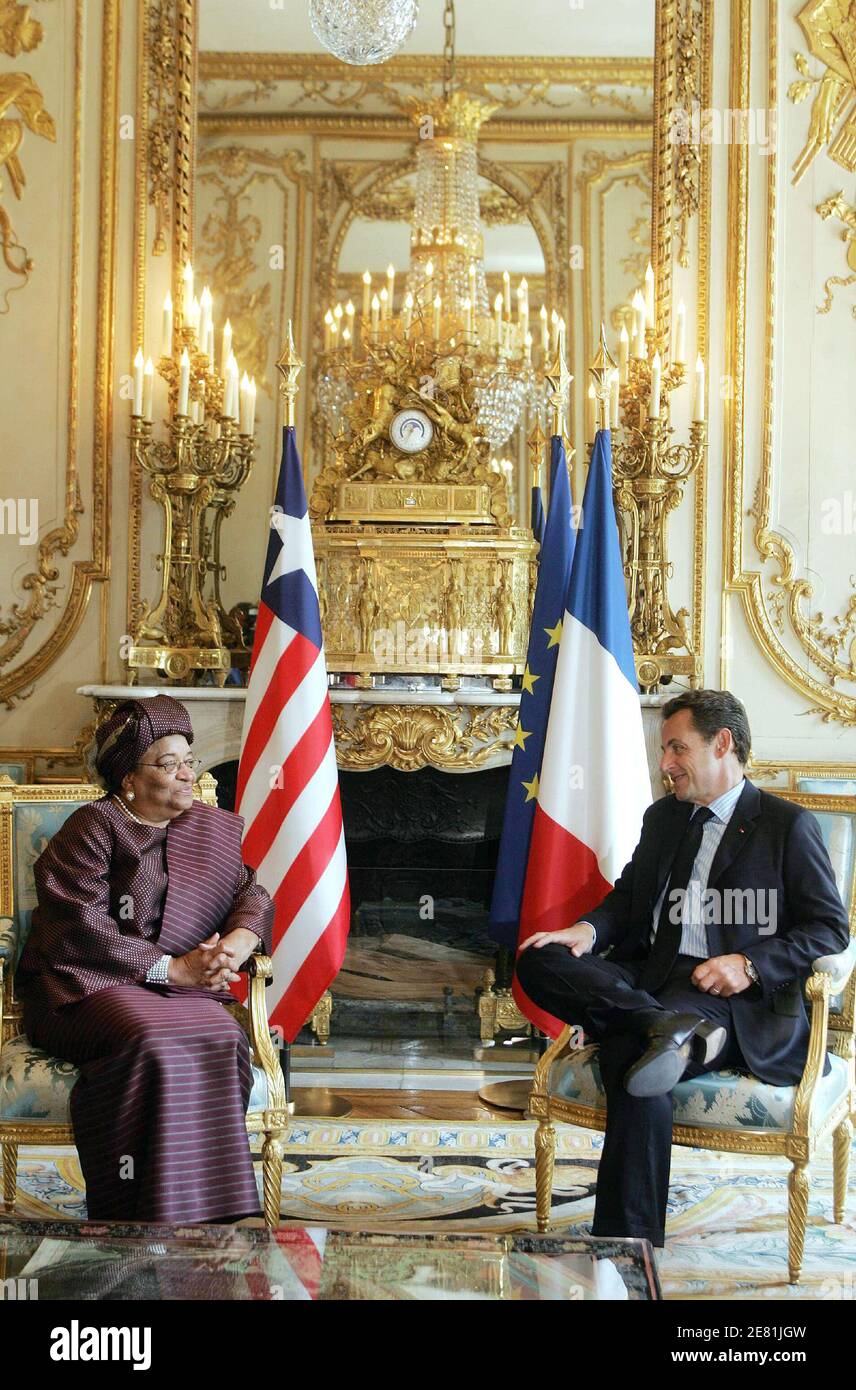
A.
pixel 90 1260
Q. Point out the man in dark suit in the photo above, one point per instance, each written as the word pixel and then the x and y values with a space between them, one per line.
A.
pixel 698 956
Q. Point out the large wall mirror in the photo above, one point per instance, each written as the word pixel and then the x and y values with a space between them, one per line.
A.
pixel 304 180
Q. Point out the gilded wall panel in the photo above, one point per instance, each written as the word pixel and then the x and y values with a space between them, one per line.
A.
pixel 60 167
pixel 790 545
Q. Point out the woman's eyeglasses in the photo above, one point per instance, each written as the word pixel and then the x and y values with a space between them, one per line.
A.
pixel 171 765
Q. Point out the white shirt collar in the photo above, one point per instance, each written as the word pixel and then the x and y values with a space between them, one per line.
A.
pixel 723 806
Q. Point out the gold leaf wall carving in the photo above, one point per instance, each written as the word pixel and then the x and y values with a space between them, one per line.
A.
pixel 43 585
pixel 20 93
pixel 826 647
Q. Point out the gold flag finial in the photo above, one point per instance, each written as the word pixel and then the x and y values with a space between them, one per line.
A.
pixel 559 380
pixel 601 372
pixel 289 365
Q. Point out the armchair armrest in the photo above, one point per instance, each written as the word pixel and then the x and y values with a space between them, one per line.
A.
pixel 260 970
pixel 9 934
pixel 839 967
pixel 540 1082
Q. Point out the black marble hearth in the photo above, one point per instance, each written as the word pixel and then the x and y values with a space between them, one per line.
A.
pixel 422 850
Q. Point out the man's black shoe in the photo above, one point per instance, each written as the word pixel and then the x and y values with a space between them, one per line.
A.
pixel 675 1040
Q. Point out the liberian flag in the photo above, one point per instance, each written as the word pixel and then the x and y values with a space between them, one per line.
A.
pixel 594 784
pixel 554 569
pixel 288 785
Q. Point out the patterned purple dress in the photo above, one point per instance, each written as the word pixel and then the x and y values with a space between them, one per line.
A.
pixel 165 1075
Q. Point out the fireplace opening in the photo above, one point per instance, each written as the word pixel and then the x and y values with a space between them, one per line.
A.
pixel 422 849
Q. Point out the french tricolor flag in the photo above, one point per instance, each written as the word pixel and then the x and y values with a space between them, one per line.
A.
pixel 594 784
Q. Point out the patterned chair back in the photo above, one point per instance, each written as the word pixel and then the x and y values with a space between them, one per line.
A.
pixel 834 808
pixel 29 817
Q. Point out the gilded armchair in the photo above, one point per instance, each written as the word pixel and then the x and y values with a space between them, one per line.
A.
pixel 725 1110
pixel 35 1087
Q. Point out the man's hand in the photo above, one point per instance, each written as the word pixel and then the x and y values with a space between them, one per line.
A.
pixel 208 966
pixel 579 938
pixel 722 975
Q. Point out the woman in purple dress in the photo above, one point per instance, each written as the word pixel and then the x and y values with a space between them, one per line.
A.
pixel 146 912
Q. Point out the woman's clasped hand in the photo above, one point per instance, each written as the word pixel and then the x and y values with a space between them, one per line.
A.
pixel 215 962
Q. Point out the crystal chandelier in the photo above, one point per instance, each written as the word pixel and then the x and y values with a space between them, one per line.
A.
pixel 446 303
pixel 362 32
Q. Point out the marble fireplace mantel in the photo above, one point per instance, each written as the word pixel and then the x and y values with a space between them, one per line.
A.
pixel 455 731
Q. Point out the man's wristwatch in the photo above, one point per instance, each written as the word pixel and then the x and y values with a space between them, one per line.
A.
pixel 751 971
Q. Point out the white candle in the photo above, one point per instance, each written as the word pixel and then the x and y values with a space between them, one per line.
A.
pixel 209 346
pixel 649 293
pixel 554 331
pixel 390 286
pixel 251 411
pixel 545 341
pixel 148 388
pixel 698 395
pixel 614 401
pixel 166 331
pixel 138 382
pixel 591 415
pixel 527 347
pixel 384 304
pixel 226 348
pixel 375 313
pixel 506 291
pixel 234 375
pixel 680 350
pixel 639 349
pixel 350 312
pixel 243 427
pixel 367 294
pixel 187 303
pixel 347 340
pixel 334 335
pixel 183 382
pixel 654 406
pixel 623 354
pixel 205 318
pixel 328 330
pixel 438 304
pixel 408 311
pixel 338 314
pixel 497 309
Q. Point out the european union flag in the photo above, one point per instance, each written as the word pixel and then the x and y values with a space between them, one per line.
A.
pixel 554 570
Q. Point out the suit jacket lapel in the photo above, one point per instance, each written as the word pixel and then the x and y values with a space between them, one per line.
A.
pixel 738 832
pixel 673 833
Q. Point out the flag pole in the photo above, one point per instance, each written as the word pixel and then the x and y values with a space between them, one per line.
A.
pixel 314 1101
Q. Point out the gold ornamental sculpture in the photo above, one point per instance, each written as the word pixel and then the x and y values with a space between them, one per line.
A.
pixel 649 470
pixel 195 473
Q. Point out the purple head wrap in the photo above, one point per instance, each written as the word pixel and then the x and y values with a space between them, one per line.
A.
pixel 133 727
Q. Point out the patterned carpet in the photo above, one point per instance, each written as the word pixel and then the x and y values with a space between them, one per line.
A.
pixel 727 1227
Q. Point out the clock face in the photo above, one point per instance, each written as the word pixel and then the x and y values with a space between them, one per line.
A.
pixel 411 431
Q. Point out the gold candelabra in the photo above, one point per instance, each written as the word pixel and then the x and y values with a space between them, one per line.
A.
pixel 195 474
pixel 649 472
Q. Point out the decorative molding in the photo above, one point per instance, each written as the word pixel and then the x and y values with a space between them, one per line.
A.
pixel 408 737
pixel 419 69
pixel 687 153
pixel 819 642
pixel 401 128
pixel 43 584
pixel 158 138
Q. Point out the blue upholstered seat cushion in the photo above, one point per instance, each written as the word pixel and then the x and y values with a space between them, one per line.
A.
pixel 35 1087
pixel 716 1100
